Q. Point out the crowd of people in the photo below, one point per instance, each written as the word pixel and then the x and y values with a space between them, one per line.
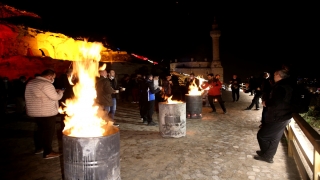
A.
pixel 42 96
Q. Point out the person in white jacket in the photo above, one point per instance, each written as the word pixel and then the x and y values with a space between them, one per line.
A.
pixel 42 104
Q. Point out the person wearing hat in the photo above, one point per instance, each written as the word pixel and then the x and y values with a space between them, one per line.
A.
pixel 214 91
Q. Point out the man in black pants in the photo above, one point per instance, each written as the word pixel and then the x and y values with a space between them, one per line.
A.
pixel 265 92
pixel 42 104
pixel 256 87
pixel 277 117
pixel 147 99
pixel 235 87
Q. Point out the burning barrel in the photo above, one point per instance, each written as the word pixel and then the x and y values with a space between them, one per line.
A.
pixel 92 158
pixel 193 106
pixel 172 119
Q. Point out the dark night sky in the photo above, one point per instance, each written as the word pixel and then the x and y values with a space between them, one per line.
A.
pixel 256 37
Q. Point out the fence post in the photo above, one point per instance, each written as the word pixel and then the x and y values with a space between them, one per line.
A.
pixel 290 138
pixel 316 165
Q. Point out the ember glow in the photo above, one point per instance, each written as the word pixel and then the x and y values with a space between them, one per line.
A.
pixel 84 118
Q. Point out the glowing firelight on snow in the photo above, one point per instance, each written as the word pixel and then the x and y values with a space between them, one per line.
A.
pixel 84 118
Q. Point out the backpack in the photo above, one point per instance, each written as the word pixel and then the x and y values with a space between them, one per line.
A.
pixel 301 99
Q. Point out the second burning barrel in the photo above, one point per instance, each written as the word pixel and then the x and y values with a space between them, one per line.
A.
pixel 193 106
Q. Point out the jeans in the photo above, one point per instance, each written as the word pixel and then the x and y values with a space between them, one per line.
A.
pixel 112 109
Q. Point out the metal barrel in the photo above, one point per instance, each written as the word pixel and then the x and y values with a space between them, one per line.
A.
pixel 92 158
pixel 193 106
pixel 172 119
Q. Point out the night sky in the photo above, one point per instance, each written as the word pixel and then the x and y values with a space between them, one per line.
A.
pixel 255 37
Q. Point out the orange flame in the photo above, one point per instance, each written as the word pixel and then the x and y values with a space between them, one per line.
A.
pixel 194 89
pixel 84 117
pixel 103 67
pixel 170 101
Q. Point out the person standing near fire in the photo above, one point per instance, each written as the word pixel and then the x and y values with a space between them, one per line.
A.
pixel 214 92
pixel 148 99
pixel 157 82
pixel 104 92
pixel 167 86
pixel 192 80
pixel 42 104
pixel 114 85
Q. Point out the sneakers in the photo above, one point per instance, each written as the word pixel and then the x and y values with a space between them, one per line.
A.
pixel 257 108
pixel 52 155
pixel 247 108
pixel 224 112
pixel 152 123
pixel 145 122
pixel 213 111
pixel 38 151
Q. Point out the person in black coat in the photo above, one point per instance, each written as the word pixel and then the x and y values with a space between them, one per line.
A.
pixel 277 117
pixel 235 87
pixel 252 85
pixel 265 92
pixel 147 100
pixel 256 88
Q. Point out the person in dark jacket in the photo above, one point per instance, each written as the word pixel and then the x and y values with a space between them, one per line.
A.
pixel 235 87
pixel 192 80
pixel 147 100
pixel 256 89
pixel 167 86
pixel 19 89
pixel 265 92
pixel 114 85
pixel 252 85
pixel 277 117
pixel 104 92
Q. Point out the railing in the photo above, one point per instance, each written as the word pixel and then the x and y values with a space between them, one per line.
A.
pixel 304 147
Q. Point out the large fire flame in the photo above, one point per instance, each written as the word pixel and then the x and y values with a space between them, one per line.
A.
pixel 194 89
pixel 84 117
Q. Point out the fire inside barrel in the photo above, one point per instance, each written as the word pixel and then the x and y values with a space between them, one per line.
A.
pixel 91 144
pixel 193 106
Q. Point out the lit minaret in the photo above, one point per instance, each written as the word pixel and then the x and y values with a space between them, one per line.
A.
pixel 216 67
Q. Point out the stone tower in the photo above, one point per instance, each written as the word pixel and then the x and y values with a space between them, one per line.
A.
pixel 216 67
